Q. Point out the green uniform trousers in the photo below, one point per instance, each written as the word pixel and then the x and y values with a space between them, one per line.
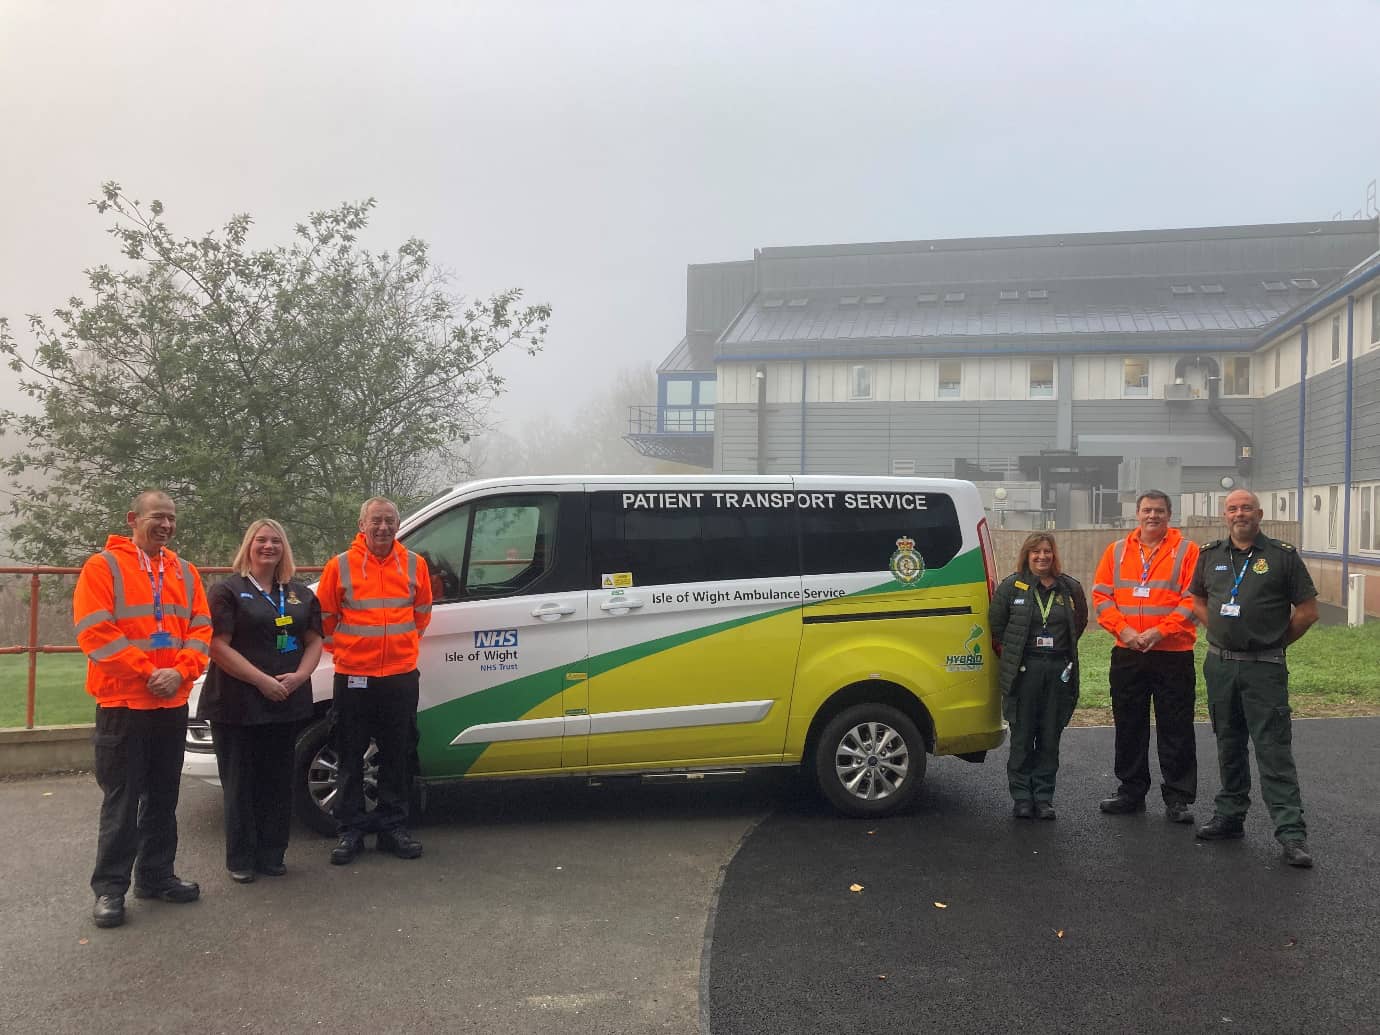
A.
pixel 1249 700
pixel 1038 708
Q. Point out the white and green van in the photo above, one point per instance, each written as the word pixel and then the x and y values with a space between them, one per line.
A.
pixel 662 625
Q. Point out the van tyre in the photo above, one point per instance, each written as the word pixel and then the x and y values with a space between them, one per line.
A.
pixel 316 773
pixel 870 760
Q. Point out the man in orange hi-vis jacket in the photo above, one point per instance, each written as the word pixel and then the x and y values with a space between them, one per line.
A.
pixel 375 605
pixel 143 624
pixel 1140 596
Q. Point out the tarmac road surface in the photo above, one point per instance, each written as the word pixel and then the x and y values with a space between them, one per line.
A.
pixel 555 907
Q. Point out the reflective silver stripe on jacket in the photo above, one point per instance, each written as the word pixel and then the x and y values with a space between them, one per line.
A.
pixel 422 609
pixel 94 618
pixel 110 649
pixel 1176 580
pixel 122 609
pixel 1118 555
pixel 378 631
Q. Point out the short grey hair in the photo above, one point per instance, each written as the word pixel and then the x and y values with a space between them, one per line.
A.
pixel 372 500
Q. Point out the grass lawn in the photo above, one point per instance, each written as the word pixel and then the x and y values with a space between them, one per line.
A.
pixel 1333 670
pixel 60 698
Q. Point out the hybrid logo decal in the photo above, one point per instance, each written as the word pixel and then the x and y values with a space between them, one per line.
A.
pixel 495 650
pixel 971 658
pixel 907 566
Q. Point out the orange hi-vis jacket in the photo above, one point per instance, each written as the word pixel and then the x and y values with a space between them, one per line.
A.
pixel 113 609
pixel 374 610
pixel 1121 597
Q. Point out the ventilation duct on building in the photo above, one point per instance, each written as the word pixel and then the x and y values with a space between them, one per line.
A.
pixel 1214 384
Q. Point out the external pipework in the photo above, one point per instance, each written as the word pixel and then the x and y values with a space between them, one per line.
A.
pixel 1244 446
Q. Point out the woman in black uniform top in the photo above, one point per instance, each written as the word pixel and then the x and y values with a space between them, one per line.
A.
pixel 265 643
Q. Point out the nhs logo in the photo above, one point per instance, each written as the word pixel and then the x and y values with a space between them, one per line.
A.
pixel 496 638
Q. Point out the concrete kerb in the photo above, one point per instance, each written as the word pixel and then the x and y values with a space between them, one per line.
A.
pixel 46 749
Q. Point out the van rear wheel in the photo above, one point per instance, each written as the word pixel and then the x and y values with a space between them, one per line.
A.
pixel 870 760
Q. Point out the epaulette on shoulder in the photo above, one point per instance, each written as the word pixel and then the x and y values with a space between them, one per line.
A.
pixel 1285 546
pixel 1071 578
pixel 1211 544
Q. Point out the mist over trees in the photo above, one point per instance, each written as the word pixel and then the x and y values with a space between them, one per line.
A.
pixel 291 381
pixel 586 439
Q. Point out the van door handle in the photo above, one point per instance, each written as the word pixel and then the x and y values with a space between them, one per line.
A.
pixel 620 604
pixel 550 612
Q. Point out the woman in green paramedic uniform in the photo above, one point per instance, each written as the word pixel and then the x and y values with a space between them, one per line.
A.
pixel 1037 616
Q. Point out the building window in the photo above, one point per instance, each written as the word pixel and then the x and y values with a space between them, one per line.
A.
pixel 1375 318
pixel 1336 338
pixel 1279 352
pixel 1333 495
pixel 1236 375
pixel 1369 539
pixel 1042 379
pixel 860 384
pixel 950 379
pixel 1135 378
pixel 689 405
pixel 680 392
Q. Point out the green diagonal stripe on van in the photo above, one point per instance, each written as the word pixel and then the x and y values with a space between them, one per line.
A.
pixel 508 701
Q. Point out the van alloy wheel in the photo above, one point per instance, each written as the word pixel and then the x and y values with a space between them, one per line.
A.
pixel 872 760
pixel 869 760
pixel 323 777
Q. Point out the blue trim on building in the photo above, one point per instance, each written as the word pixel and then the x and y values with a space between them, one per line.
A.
pixel 1346 439
pixel 1357 559
pixel 1342 290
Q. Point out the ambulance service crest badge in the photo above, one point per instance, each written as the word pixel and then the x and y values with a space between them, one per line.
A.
pixel 907 566
pixel 1261 566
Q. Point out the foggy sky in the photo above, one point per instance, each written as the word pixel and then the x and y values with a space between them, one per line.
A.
pixel 588 151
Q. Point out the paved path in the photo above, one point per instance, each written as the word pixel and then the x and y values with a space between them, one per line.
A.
pixel 1160 933
pixel 538 907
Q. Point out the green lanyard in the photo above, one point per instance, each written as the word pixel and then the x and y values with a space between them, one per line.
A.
pixel 1046 605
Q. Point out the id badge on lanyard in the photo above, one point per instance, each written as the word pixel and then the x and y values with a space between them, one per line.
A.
pixel 284 641
pixel 161 639
pixel 1231 609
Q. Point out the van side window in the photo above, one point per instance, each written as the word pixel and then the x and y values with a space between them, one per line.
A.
pixel 838 540
pixel 489 548
pixel 661 546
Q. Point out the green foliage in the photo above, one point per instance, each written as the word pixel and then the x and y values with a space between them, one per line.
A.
pixel 292 381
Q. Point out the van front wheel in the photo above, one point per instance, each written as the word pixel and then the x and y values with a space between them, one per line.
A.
pixel 870 760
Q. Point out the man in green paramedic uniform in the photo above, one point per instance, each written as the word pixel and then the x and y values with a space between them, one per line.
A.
pixel 1254 596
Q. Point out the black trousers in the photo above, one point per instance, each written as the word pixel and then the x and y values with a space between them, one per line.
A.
pixel 1165 678
pixel 255 766
pixel 139 767
pixel 386 712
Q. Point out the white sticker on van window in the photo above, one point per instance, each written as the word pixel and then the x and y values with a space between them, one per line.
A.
pixel 616 580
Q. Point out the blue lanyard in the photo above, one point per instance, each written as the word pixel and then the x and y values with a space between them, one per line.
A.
pixel 281 610
pixel 1145 562
pixel 1236 586
pixel 157 588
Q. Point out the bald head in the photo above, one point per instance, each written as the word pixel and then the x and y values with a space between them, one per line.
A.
pixel 152 520
pixel 1242 513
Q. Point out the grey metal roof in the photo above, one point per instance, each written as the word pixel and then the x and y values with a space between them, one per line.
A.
pixel 1142 307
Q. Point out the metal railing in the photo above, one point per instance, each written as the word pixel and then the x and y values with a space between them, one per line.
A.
pixel 33 649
